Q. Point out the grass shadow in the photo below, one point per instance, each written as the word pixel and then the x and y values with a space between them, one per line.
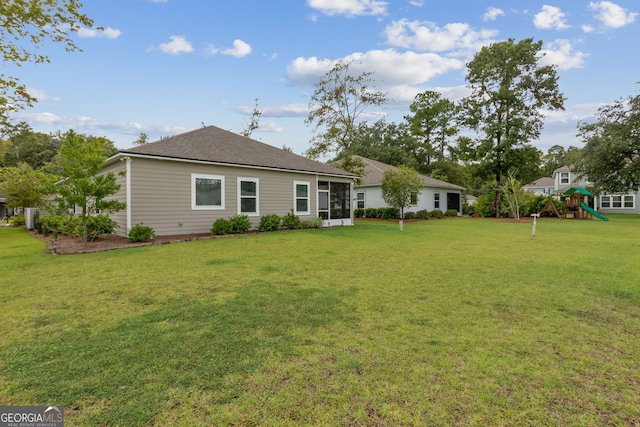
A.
pixel 124 374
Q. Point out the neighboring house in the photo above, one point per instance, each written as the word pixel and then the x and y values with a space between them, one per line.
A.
pixel 436 194
pixel 543 186
pixel 181 184
pixel 565 178
pixel 3 206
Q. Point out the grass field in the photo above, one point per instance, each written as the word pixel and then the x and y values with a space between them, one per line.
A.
pixel 455 322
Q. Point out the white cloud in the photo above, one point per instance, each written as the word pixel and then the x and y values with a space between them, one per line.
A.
pixel 41 95
pixel 560 53
pixel 349 7
pixel 240 49
pixel 269 126
pixel 612 15
pixel 106 33
pixel 287 110
pixel 587 28
pixel 457 38
pixel 416 3
pixel 550 17
pixel 211 50
pixel 176 46
pixel 400 75
pixel 492 14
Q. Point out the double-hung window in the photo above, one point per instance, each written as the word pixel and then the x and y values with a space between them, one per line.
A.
pixel 301 200
pixel 360 200
pixel 618 201
pixel 564 178
pixel 207 192
pixel 248 201
pixel 436 200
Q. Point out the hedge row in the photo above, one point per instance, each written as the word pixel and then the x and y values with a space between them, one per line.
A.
pixel 393 213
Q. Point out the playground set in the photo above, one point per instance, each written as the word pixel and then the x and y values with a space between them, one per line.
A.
pixel 576 206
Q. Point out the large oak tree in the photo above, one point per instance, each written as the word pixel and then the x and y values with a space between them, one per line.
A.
pixel 610 158
pixel 509 91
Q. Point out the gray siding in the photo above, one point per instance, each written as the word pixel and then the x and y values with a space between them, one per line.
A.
pixel 118 169
pixel 161 194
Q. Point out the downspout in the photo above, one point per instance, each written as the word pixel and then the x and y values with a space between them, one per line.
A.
pixel 128 191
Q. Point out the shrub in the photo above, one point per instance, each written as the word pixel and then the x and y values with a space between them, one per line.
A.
pixel 141 233
pixel 97 226
pixel 269 222
pixel 484 206
pixel 409 215
pixel 436 213
pixel 451 212
pixel 358 213
pixel 240 224
pixel 370 213
pixel 291 221
pixel 422 214
pixel 221 226
pixel 390 213
pixel 17 220
pixel 312 223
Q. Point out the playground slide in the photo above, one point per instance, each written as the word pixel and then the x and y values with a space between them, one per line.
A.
pixel 592 212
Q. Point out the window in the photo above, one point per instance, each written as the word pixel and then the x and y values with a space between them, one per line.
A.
pixel 414 199
pixel 564 178
pixel 301 197
pixel 360 200
pixel 436 200
pixel 207 192
pixel 248 196
pixel 626 201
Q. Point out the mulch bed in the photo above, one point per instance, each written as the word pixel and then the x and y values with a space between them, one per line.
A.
pixel 72 245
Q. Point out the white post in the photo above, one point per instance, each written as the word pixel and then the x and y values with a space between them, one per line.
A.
pixel 533 230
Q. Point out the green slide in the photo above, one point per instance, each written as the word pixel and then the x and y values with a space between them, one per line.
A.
pixel 592 212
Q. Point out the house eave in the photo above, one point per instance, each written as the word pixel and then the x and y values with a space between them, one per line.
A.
pixel 124 154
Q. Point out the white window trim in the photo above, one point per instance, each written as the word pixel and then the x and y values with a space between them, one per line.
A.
pixel 257 181
pixel 295 198
pixel 610 197
pixel 364 199
pixel 436 199
pixel 193 192
pixel 568 178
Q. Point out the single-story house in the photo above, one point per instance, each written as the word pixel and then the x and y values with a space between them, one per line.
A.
pixel 436 194
pixel 544 186
pixel 565 178
pixel 181 184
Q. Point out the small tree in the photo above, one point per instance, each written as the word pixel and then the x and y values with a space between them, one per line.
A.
pixel 513 193
pixel 79 161
pixel 336 104
pixel 399 187
pixel 22 186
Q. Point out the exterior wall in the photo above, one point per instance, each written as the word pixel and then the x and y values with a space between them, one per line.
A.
pixel 635 209
pixel 119 170
pixel 547 191
pixel 161 194
pixel 373 198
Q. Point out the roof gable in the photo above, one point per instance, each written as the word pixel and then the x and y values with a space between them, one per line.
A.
pixel 215 145
pixel 374 172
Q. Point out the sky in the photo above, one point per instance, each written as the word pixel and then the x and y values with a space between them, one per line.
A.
pixel 163 67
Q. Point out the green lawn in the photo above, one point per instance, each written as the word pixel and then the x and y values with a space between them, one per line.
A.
pixel 452 322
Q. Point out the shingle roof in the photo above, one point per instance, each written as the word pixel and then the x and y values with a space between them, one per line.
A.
pixel 374 172
pixel 542 182
pixel 215 145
